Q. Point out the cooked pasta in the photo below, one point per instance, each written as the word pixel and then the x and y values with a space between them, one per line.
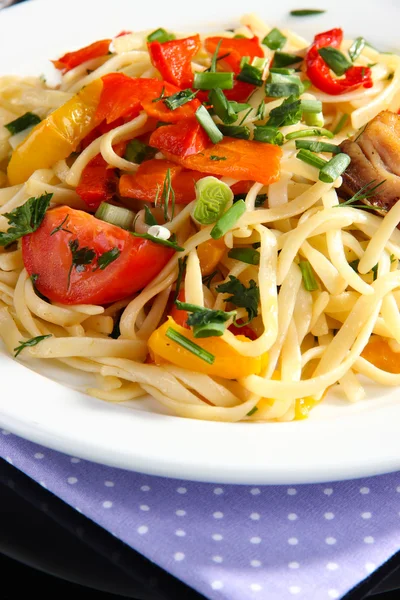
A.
pixel 238 266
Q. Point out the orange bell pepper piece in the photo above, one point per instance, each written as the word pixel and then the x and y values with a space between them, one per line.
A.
pixel 73 59
pixel 56 136
pixel 209 254
pixel 173 59
pixel 244 159
pixel 380 354
pixel 235 49
pixel 161 112
pixel 148 182
pixel 183 139
pixel 228 363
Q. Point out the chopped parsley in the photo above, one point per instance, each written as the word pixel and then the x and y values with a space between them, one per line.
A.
pixel 29 343
pixel 107 258
pixel 60 226
pixel 80 258
pixel 242 296
pixel 25 219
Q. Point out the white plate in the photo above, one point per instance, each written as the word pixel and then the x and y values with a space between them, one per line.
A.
pixel 339 441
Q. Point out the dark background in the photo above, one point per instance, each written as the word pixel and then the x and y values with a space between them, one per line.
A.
pixel 48 547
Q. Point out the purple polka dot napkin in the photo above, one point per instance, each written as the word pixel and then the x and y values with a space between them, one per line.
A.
pixel 232 542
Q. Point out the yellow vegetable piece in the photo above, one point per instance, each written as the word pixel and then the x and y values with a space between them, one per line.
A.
pixel 303 407
pixel 228 363
pixel 379 353
pixel 210 253
pixel 56 136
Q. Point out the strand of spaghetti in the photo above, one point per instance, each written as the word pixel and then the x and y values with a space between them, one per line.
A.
pixel 286 303
pixel 77 73
pixel 316 384
pixel 82 364
pixel 60 195
pixel 204 412
pixel 205 386
pixel 114 308
pixel 85 309
pixel 302 312
pixel 193 281
pixel 144 374
pixel 112 65
pixel 9 278
pixel 9 331
pixel 391 246
pixel 380 328
pixel 350 241
pixel 11 261
pixel 9 192
pixel 108 383
pixel 325 270
pixel 291 209
pixel 117 135
pixel 364 367
pixel 252 194
pixel 364 306
pixel 130 315
pixel 311 354
pixel 154 316
pixel 88 347
pixel 100 324
pixel 268 300
pixel 351 387
pixel 291 355
pixel 50 312
pixel 342 302
pixel 319 307
pixel 351 96
pixel 6 289
pixel 129 391
pixel 21 309
pixel 379 240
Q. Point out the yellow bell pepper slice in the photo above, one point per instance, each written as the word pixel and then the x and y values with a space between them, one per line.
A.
pixel 56 136
pixel 228 363
pixel 210 253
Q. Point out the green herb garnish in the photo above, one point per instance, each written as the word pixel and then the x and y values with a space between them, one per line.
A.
pixel 60 227
pixel 242 296
pixel 205 322
pixel 80 258
pixel 25 219
pixel 309 281
pixel 198 351
pixel 107 258
pixel 29 343
pixel 29 119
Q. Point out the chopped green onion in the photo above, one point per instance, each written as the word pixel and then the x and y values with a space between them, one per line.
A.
pixel 206 322
pixel 250 74
pixel 198 351
pixel 335 60
pixel 307 274
pixel 268 135
pixel 334 168
pixel 309 133
pixel 311 159
pixel 222 108
pixel 311 106
pixel 306 12
pixel 246 255
pixel 116 215
pixel 179 99
pixel 212 196
pixel 246 115
pixel 209 81
pixel 137 151
pixel 239 36
pixel 341 124
pixel 287 113
pixel 214 58
pixel 260 199
pixel 158 240
pixel 251 413
pixel 29 119
pixel 160 35
pixel 260 63
pixel 205 120
pixel 356 48
pixel 244 60
pixel 282 71
pixel 216 158
pixel 149 218
pixel 279 85
pixel 283 59
pixel 275 40
pixel 235 131
pixel 317 146
pixel 107 258
pixel 314 119
pixel 228 220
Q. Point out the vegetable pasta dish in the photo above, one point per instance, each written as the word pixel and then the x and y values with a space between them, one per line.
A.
pixel 211 219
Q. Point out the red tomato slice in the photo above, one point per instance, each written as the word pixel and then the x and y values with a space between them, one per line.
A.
pixel 49 256
pixel 148 181
pixel 183 139
pixel 73 59
pixel 173 59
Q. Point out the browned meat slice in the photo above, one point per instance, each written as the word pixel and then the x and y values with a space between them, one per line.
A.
pixel 375 157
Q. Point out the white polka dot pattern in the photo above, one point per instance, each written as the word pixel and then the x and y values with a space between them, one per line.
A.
pixel 232 542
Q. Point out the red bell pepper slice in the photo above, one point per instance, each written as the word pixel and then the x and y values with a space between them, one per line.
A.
pixel 179 316
pixel 161 112
pixel 235 48
pixel 181 139
pixel 122 33
pixel 173 59
pixel 148 181
pixel 244 159
pixel 98 183
pixel 73 59
pixel 320 74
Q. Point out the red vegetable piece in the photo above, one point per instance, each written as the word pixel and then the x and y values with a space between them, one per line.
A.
pixel 235 48
pixel 179 316
pixel 181 139
pixel 73 59
pixel 49 256
pixel 173 59
pixel 98 183
pixel 161 112
pixel 148 181
pixel 320 74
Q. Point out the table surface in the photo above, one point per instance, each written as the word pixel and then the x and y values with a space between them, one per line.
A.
pixel 45 543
